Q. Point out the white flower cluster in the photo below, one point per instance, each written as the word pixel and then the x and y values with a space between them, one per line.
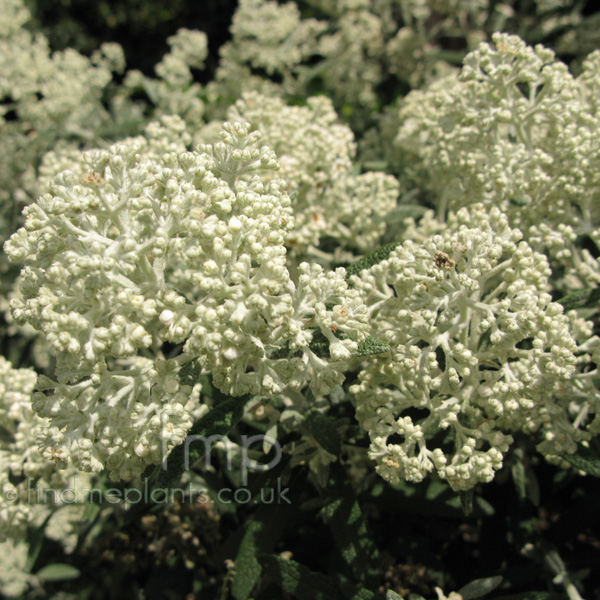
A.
pixel 29 485
pixel 479 351
pixel 315 153
pixel 145 244
pixel 355 47
pixel 515 130
pixel 45 96
pixel 14 577
pixel 174 92
pixel 17 456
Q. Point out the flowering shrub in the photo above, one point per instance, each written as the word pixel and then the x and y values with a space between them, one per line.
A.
pixel 366 329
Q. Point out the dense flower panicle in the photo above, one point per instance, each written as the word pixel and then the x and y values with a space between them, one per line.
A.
pixel 514 130
pixel 415 242
pixel 478 351
pixel 28 483
pixel 146 243
pixel 102 247
pixel 45 97
pixel 17 456
pixel 14 576
pixel 144 255
pixel 174 91
pixel 54 95
pixel 347 48
pixel 315 153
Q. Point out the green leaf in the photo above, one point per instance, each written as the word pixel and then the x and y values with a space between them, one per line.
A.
pixel 218 422
pixel 368 261
pixel 466 501
pixel 190 373
pixel 35 541
pixel 57 572
pixel 480 587
pixel 585 461
pixel 6 436
pixel 372 345
pixel 580 299
pixel 323 429
pixel 320 344
pixel 354 592
pixel 247 567
pixel 349 527
pixel 391 595
pixel 298 581
pixel 260 536
pixel 519 479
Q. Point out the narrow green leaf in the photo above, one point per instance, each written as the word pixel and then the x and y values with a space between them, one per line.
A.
pixel 320 344
pixel 371 259
pixel 247 568
pixel 585 461
pixel 323 429
pixel 580 299
pixel 466 501
pixel 480 587
pixel 261 535
pixel 533 486
pixel 35 541
pixel 58 572
pixel 518 475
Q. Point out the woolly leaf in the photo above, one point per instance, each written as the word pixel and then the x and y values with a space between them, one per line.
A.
pixel 190 373
pixel 58 572
pixel 479 587
pixel 323 429
pixel 580 299
pixel 585 461
pixel 372 345
pixel 260 536
pixel 466 501
pixel 368 261
pixel 298 581
pixel 247 567
pixel 349 527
